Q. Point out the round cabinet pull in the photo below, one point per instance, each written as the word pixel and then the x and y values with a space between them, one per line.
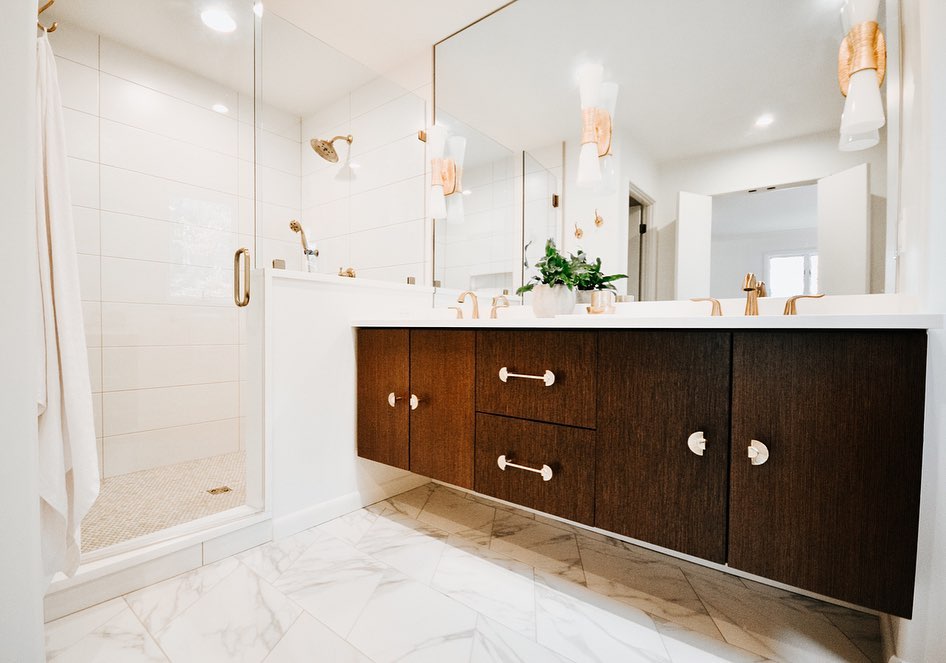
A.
pixel 697 443
pixel 414 402
pixel 758 453
pixel 548 377
pixel 546 471
pixel 392 399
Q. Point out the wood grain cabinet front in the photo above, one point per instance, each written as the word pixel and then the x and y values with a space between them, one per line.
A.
pixel 528 448
pixel 538 375
pixel 663 438
pixel 415 401
pixel 830 502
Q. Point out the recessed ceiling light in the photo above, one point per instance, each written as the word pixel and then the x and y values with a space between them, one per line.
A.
pixel 467 192
pixel 220 108
pixel 764 120
pixel 218 19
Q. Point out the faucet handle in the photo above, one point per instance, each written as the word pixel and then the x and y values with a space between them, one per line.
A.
pixel 458 310
pixel 760 286
pixel 717 310
pixel 791 307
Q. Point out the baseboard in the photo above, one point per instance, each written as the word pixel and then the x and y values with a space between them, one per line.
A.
pixel 322 512
pixel 888 640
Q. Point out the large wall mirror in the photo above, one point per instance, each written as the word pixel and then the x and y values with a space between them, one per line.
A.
pixel 725 144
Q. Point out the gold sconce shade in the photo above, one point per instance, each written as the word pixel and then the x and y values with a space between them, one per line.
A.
pixel 864 47
pixel 446 173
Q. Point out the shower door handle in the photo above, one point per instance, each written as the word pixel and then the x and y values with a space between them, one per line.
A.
pixel 241 296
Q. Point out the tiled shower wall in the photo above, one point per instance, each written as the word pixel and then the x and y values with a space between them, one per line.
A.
pixel 371 216
pixel 163 193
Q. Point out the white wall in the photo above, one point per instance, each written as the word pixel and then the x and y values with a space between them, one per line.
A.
pixel 372 216
pixel 21 606
pixel 922 273
pixel 732 256
pixel 163 193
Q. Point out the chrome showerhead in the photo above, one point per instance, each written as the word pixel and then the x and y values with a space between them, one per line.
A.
pixel 326 148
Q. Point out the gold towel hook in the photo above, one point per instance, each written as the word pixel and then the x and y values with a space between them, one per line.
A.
pixel 51 28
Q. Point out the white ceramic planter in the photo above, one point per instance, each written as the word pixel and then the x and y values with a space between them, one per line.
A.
pixel 549 301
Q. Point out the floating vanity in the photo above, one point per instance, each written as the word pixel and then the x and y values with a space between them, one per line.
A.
pixel 789 453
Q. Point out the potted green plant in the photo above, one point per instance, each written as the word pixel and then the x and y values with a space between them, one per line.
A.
pixel 553 287
pixel 596 286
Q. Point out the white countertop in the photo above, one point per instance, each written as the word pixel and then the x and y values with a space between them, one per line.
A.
pixel 883 321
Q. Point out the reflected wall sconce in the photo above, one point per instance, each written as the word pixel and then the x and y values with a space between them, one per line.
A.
pixel 599 220
pixel 446 171
pixel 579 233
pixel 598 102
pixel 862 63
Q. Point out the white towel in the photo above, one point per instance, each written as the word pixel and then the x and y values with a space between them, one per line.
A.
pixel 68 457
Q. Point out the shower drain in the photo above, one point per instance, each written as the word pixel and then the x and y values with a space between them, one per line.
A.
pixel 220 490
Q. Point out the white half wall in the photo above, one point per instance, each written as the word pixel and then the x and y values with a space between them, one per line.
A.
pixel 316 473
pixel 21 606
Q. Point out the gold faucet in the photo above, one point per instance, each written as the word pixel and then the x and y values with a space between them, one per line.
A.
pixel 496 304
pixel 476 305
pixel 791 308
pixel 717 307
pixel 753 289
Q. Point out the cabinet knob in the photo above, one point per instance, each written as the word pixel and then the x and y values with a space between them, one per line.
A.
pixel 697 443
pixel 758 453
pixel 414 402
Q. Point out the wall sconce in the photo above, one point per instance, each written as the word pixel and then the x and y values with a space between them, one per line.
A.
pixel 446 171
pixel 598 102
pixel 862 63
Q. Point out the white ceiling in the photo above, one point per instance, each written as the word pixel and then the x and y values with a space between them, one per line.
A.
pixel 694 74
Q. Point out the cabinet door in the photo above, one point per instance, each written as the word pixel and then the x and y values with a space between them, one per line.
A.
pixel 442 373
pixel 568 452
pixel 568 356
pixel 383 368
pixel 655 389
pixel 835 508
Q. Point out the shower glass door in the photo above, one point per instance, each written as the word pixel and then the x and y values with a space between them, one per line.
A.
pixel 160 112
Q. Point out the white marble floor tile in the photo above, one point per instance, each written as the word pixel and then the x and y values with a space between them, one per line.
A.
pixel 411 547
pixel 492 584
pixel 350 527
pixel 539 545
pixel 655 586
pixel 240 619
pixel 409 622
pixel 310 640
pixel 270 560
pixel 156 605
pixel 494 643
pixel 589 628
pixel 68 630
pixel 409 504
pixel 332 581
pixel 122 638
pixel 686 646
pixel 452 512
pixel 775 628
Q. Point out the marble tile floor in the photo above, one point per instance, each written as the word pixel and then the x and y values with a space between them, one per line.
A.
pixel 436 575
pixel 139 503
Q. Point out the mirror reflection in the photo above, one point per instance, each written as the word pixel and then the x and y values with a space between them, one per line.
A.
pixel 718 152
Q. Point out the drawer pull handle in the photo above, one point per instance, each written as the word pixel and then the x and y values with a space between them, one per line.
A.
pixel 697 443
pixel 546 471
pixel 548 377
pixel 758 453
pixel 413 400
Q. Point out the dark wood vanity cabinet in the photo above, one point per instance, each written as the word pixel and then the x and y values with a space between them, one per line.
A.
pixel 656 389
pixel 809 474
pixel 415 401
pixel 835 508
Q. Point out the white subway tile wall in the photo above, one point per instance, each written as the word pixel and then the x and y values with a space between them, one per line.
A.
pixel 163 192
pixel 368 212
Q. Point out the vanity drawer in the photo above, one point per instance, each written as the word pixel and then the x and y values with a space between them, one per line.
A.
pixel 569 356
pixel 567 452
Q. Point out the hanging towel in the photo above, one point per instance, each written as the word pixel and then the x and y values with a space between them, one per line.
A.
pixel 68 457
